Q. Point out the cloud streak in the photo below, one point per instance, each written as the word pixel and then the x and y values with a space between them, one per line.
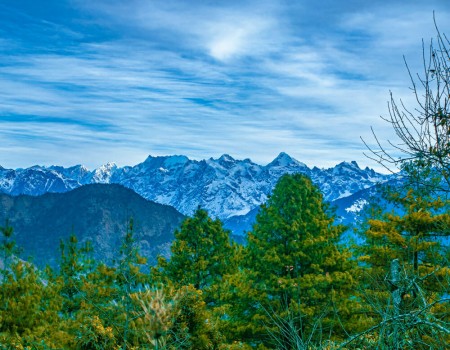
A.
pixel 115 81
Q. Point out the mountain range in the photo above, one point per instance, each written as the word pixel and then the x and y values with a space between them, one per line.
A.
pixel 228 188
pixel 46 204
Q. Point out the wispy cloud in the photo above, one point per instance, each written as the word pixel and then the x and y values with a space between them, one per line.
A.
pixel 118 80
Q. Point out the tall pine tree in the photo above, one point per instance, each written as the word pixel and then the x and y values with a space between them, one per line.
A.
pixel 296 270
pixel 201 254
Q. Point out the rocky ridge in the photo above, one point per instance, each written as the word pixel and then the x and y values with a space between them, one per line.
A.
pixel 226 187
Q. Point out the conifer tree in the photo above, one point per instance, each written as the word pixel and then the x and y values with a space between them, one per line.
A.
pixel 75 266
pixel 405 259
pixel 129 279
pixel 96 325
pixel 413 235
pixel 201 254
pixel 30 303
pixel 194 323
pixel 108 315
pixel 294 265
pixel 8 249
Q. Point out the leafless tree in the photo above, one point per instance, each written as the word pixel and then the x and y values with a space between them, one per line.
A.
pixel 423 130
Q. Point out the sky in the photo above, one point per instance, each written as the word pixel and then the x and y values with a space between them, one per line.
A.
pixel 90 82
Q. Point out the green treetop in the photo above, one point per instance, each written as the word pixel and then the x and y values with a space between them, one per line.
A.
pixel 202 253
pixel 295 264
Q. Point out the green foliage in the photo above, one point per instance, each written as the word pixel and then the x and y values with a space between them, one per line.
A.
pixel 109 292
pixel 8 249
pixel 129 278
pixel 293 286
pixel 93 335
pixel 130 263
pixel 294 264
pixel 202 258
pixel 412 232
pixel 194 321
pixel 30 310
pixel 30 303
pixel 98 300
pixel 412 296
pixel 202 253
pixel 75 266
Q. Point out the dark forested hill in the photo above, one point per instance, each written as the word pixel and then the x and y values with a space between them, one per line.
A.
pixel 97 212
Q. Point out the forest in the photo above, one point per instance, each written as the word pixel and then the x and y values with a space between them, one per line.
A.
pixel 294 285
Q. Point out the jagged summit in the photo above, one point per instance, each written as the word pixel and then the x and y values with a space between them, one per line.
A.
pixel 170 159
pixel 225 161
pixel 224 158
pixel 104 173
pixel 37 167
pixel 224 186
pixel 281 159
pixel 109 165
pixel 353 164
pixel 284 159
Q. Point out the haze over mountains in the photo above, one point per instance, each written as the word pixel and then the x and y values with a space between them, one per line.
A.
pixel 226 187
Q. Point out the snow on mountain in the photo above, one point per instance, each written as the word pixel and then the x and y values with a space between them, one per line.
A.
pixel 78 173
pixel 35 180
pixel 7 179
pixel 345 179
pixel 104 173
pixel 284 160
pixel 357 206
pixel 225 186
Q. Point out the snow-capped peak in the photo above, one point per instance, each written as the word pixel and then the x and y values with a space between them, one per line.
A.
pixel 107 167
pixel 226 158
pixel 283 160
pixel 226 161
pixel 225 187
pixel 104 173
pixel 351 164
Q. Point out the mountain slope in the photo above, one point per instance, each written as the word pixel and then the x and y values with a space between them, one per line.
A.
pixel 99 213
pixel 225 186
pixel 349 210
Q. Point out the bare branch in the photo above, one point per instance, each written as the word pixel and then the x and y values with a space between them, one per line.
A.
pixel 423 131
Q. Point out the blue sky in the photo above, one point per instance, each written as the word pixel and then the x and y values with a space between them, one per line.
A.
pixel 87 82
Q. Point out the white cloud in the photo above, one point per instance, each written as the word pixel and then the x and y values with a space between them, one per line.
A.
pixel 229 42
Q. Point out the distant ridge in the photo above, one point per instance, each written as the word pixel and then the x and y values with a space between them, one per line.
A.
pixel 95 212
pixel 225 186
